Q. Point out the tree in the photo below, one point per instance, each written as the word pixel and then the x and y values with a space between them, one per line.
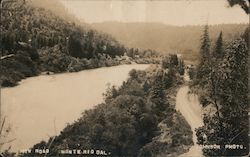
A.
pixel 242 3
pixel 233 86
pixel 75 47
pixel 173 60
pixel 226 88
pixel 230 95
pixel 165 62
pixel 204 67
pixel 205 45
pixel 170 61
pixel 191 72
pixel 218 50
pixel 181 67
pixel 245 36
pixel 157 94
pixel 133 74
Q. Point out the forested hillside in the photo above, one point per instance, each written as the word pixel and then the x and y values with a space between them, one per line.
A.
pixel 34 40
pixel 166 38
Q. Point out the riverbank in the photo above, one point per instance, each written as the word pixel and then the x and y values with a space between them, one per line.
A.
pixel 135 113
pixel 42 103
pixel 21 66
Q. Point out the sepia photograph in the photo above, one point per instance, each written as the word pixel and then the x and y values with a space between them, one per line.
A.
pixel 124 78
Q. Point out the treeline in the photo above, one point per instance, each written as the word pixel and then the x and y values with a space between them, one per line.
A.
pixel 221 82
pixel 136 119
pixel 34 40
pixel 166 38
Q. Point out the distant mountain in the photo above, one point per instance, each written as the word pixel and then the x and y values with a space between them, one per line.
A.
pixel 166 38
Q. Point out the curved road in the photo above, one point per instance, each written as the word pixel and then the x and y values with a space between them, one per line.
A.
pixel 188 105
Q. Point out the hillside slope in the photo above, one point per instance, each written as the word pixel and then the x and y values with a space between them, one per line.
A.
pixel 34 40
pixel 166 38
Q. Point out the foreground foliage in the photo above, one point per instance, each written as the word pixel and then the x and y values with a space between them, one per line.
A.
pixel 222 84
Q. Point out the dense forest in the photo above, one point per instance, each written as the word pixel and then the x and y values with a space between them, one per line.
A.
pixel 221 81
pixel 35 40
pixel 166 38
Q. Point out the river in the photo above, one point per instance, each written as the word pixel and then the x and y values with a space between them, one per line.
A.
pixel 40 107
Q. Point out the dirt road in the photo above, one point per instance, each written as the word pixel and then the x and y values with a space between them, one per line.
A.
pixel 188 105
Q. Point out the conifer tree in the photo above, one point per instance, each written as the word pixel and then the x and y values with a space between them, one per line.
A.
pixel 205 45
pixel 218 50
pixel 157 94
pixel 204 67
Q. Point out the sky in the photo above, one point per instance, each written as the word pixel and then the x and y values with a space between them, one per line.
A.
pixel 171 12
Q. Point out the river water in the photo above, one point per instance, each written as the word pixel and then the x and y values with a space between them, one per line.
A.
pixel 40 107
